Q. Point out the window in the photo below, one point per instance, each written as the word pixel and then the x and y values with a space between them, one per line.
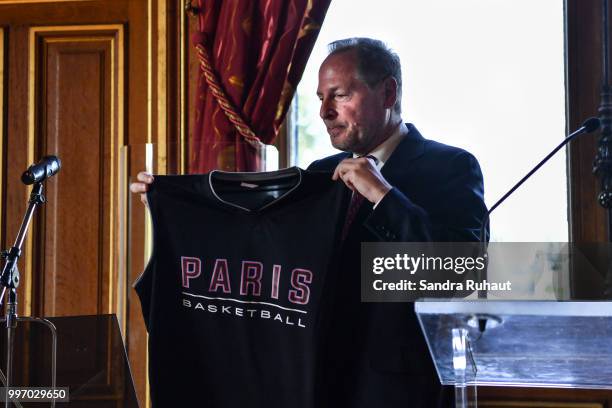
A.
pixel 484 75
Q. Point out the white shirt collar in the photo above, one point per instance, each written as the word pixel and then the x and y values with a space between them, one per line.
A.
pixel 383 151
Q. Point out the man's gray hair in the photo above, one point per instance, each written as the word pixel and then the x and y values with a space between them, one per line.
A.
pixel 375 62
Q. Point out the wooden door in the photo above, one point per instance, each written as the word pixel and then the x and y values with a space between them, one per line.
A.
pixel 90 81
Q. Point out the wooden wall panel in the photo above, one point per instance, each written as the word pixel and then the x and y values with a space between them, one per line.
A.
pixel 520 397
pixel 194 73
pixel 584 71
pixel 36 1
pixel 3 112
pixel 83 252
pixel 176 53
pixel 77 96
pixel 588 220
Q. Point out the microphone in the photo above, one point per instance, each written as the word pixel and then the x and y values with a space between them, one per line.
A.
pixel 47 167
pixel 589 125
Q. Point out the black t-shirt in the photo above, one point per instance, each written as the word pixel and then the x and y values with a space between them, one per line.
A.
pixel 232 295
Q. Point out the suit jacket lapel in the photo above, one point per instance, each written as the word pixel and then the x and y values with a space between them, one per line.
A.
pixel 394 171
pixel 408 150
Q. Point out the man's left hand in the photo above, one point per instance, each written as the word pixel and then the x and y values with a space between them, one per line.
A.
pixel 361 175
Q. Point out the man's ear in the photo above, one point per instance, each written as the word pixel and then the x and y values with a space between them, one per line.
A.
pixel 390 89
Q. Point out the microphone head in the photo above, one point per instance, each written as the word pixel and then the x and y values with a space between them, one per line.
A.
pixel 53 165
pixel 47 167
pixel 31 175
pixel 591 125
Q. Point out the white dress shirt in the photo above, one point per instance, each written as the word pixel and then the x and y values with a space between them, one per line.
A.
pixel 383 151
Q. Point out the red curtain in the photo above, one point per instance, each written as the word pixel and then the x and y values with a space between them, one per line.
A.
pixel 256 51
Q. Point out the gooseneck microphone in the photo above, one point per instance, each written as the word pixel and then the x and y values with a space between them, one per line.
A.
pixel 589 125
pixel 47 167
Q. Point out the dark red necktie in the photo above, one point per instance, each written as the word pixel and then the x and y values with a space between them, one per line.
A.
pixel 354 206
pixel 351 213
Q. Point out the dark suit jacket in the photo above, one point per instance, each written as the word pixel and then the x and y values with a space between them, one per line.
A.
pixel 375 354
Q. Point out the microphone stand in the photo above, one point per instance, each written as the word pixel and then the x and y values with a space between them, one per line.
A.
pixel 590 125
pixel 9 279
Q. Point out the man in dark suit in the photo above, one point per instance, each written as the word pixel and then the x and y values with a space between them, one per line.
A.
pixel 413 189
pixel 407 188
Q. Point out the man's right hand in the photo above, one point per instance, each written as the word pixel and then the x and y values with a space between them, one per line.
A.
pixel 142 185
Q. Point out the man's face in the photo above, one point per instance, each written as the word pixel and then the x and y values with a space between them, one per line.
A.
pixel 355 114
